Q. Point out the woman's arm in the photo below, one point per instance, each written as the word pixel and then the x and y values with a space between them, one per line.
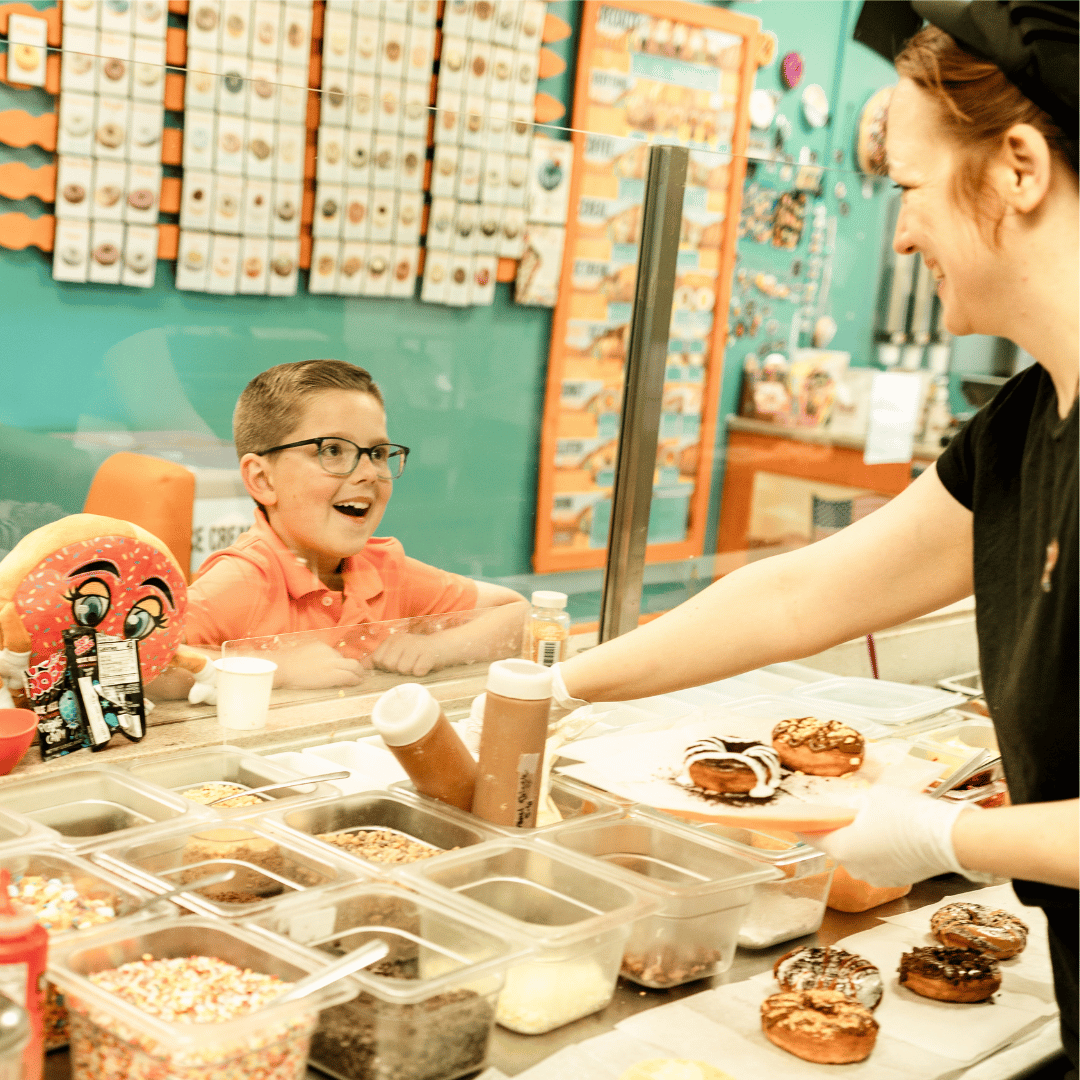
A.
pixel 912 556
pixel 1035 842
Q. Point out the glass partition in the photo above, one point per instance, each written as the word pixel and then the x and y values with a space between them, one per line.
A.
pixel 411 226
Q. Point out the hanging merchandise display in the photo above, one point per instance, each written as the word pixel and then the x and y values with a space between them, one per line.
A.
pixel 677 72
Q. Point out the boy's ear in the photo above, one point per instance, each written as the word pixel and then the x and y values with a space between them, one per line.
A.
pixel 257 479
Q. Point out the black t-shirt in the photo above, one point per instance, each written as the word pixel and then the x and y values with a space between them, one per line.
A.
pixel 1014 465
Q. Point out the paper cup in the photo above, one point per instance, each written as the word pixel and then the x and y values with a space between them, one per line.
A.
pixel 243 691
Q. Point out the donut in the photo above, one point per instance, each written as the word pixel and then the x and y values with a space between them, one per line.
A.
pixel 110 135
pixel 818 747
pixel 822 1026
pixel 26 57
pixel 459 275
pixel 253 266
pixel 193 260
pixel 358 157
pixel 332 152
pixel 673 1069
pixel 77 124
pixel 106 254
pixel 993 932
pixel 401 271
pixel 282 266
pixel 286 210
pixel 206 19
pixel 377 266
pixel 945 974
pixel 138 260
pixel 73 193
pixel 733 767
pixel 108 195
pixel 228 204
pixel 357 210
pixel 260 149
pixel 351 266
pixel 141 199
pixel 263 87
pixel 812 968
pixel 326 264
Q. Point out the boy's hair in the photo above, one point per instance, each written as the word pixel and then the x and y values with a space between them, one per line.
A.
pixel 270 406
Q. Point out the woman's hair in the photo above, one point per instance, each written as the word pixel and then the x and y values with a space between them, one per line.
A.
pixel 978 105
pixel 271 404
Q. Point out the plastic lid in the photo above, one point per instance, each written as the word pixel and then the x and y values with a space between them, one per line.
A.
pixel 404 714
pixel 520 679
pixel 541 598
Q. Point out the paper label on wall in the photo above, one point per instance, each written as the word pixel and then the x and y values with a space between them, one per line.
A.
pixel 894 411
pixel 216 524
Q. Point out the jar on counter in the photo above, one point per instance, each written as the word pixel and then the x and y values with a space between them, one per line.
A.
pixel 789 907
pixel 547 628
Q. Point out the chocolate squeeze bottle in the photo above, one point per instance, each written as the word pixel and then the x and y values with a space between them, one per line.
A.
pixel 512 743
pixel 411 723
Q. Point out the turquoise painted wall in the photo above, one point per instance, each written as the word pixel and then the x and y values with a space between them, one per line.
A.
pixel 464 387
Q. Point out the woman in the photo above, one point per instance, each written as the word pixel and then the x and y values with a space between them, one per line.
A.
pixel 990 200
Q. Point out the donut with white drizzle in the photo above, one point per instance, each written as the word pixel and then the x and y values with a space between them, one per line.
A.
pixel 733 766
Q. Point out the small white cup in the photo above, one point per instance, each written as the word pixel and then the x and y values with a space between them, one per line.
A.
pixel 243 691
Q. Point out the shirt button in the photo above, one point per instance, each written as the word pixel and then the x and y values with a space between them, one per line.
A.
pixel 327 601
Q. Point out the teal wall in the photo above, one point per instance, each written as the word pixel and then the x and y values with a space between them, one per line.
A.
pixel 464 387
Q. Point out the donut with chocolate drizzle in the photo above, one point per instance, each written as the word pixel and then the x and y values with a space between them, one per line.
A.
pixel 994 932
pixel 945 974
pixel 811 968
pixel 733 766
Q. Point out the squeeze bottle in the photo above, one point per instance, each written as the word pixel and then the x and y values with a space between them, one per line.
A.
pixel 24 949
pixel 427 747
pixel 516 709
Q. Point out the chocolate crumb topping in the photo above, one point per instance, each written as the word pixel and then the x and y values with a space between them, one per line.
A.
pixel 952 965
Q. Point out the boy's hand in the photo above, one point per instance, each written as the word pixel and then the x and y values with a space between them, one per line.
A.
pixel 316 666
pixel 408 654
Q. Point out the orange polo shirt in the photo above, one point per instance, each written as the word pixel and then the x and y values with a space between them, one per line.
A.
pixel 257 588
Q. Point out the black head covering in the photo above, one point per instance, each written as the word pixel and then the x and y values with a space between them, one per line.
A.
pixel 1034 43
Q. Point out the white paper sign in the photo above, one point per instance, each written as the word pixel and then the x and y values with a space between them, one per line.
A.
pixel 895 397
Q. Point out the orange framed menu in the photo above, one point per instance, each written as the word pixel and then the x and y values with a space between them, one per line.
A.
pixel 647 71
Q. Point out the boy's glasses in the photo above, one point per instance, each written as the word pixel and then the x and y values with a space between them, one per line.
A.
pixel 339 457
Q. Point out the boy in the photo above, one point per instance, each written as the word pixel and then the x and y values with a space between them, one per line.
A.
pixel 316 458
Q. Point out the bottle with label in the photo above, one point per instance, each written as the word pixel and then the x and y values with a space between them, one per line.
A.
pixel 547 628
pixel 24 948
pixel 427 747
pixel 516 707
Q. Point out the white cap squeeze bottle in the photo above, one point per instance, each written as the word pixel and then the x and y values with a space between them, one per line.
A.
pixel 24 948
pixel 512 742
pixel 427 747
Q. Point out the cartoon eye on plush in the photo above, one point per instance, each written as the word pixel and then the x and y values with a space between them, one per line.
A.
pixel 90 599
pixel 148 614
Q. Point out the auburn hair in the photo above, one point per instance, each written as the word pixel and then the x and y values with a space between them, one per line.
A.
pixel 978 106
pixel 269 408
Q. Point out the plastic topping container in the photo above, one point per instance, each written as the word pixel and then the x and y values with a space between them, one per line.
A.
pixel 17 831
pixel 703 887
pixel 266 865
pixel 576 915
pixel 70 896
pixel 202 774
pixel 426 1011
pixel 786 908
pixel 112 1039
pixel 875 699
pixel 85 808
pixel 14 1035
pixel 571 799
pixel 383 829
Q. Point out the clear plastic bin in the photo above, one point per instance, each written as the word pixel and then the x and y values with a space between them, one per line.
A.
pixel 230 765
pixel 112 1039
pixel 266 865
pixel 426 1011
pixel 576 915
pixel 789 907
pixel 396 817
pixel 90 882
pixel 17 831
pixel 573 800
pixel 703 887
pixel 85 808
pixel 876 699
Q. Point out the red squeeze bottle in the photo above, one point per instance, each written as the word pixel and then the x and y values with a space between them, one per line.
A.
pixel 24 949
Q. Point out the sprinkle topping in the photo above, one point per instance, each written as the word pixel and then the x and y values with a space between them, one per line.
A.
pixel 59 905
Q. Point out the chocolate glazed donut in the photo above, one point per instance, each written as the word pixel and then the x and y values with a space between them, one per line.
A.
pixel 733 767
pixel 944 974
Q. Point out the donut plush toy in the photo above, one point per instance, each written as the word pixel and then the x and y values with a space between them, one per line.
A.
pixel 91 609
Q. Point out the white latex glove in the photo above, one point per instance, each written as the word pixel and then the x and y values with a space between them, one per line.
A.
pixel 897 838
pixel 560 695
pixel 204 688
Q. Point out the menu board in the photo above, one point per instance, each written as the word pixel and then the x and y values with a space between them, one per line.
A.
pixel 647 72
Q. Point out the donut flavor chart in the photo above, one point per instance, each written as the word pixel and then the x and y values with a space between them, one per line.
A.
pixel 482 162
pixel 109 144
pixel 371 158
pixel 246 109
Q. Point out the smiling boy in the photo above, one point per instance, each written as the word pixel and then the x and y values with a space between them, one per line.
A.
pixel 316 458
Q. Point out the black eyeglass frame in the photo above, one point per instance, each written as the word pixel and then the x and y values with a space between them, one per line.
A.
pixel 360 452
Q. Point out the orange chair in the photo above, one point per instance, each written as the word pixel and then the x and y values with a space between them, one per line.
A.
pixel 159 495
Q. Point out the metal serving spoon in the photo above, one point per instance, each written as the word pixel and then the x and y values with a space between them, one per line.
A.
pixel 282 784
